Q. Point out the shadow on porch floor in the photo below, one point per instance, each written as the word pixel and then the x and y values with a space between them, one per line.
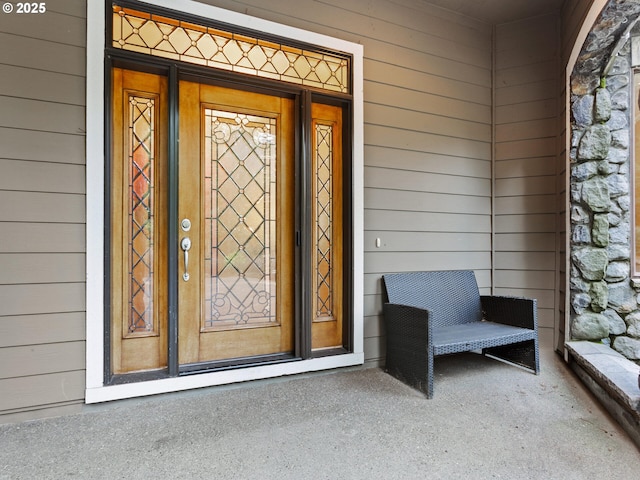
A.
pixel 487 420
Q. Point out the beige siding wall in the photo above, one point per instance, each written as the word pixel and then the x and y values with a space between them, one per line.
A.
pixel 42 67
pixel 427 82
pixel 427 152
pixel 526 100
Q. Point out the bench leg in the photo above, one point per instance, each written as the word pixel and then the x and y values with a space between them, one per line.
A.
pixel 525 354
pixel 411 368
pixel 429 391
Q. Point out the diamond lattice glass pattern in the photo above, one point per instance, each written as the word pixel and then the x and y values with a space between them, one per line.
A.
pixel 164 37
pixel 240 220
pixel 324 178
pixel 141 160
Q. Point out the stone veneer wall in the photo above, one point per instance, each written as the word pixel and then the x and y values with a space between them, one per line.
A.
pixel 605 299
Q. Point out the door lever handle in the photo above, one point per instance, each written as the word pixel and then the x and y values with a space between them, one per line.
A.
pixel 185 244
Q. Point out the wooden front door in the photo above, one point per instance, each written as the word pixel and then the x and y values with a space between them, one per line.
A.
pixel 236 213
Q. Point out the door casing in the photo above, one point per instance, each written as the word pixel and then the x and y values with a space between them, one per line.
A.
pixel 98 387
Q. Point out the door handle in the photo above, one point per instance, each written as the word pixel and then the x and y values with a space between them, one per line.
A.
pixel 185 244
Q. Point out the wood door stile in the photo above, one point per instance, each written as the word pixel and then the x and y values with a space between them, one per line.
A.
pixel 190 306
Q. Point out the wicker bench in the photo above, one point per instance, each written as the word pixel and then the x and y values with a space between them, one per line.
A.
pixel 428 314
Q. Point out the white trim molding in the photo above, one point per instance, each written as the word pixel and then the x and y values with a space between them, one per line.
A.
pixel 587 25
pixel 96 390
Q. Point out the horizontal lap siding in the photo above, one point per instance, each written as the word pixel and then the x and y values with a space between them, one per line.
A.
pixel 527 85
pixel 42 212
pixel 427 93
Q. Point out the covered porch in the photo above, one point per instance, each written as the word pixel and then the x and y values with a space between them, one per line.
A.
pixel 466 163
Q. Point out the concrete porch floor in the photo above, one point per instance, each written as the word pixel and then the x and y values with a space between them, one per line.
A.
pixel 487 420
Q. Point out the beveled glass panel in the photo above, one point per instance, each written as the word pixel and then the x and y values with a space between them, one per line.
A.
pixel 141 152
pixel 323 221
pixel 159 36
pixel 240 221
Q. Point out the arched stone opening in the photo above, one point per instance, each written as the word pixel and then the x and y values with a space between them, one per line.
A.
pixel 604 295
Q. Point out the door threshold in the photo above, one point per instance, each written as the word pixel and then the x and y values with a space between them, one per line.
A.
pixel 235 363
pixel 329 351
pixel 135 377
pixel 203 367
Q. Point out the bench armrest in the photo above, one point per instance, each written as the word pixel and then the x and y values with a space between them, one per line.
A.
pixel 409 342
pixel 515 311
pixel 406 323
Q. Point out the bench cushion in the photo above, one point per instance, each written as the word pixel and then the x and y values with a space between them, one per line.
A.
pixel 476 336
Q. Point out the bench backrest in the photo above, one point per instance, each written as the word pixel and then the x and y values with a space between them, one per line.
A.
pixel 451 296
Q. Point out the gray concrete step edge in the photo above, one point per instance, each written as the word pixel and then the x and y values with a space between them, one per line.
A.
pixel 616 374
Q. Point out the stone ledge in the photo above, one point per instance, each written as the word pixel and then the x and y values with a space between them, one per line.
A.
pixel 611 370
pixel 612 378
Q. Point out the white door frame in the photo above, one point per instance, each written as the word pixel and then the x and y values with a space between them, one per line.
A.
pixel 96 391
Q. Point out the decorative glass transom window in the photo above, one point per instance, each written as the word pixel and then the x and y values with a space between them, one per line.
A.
pixel 201 45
